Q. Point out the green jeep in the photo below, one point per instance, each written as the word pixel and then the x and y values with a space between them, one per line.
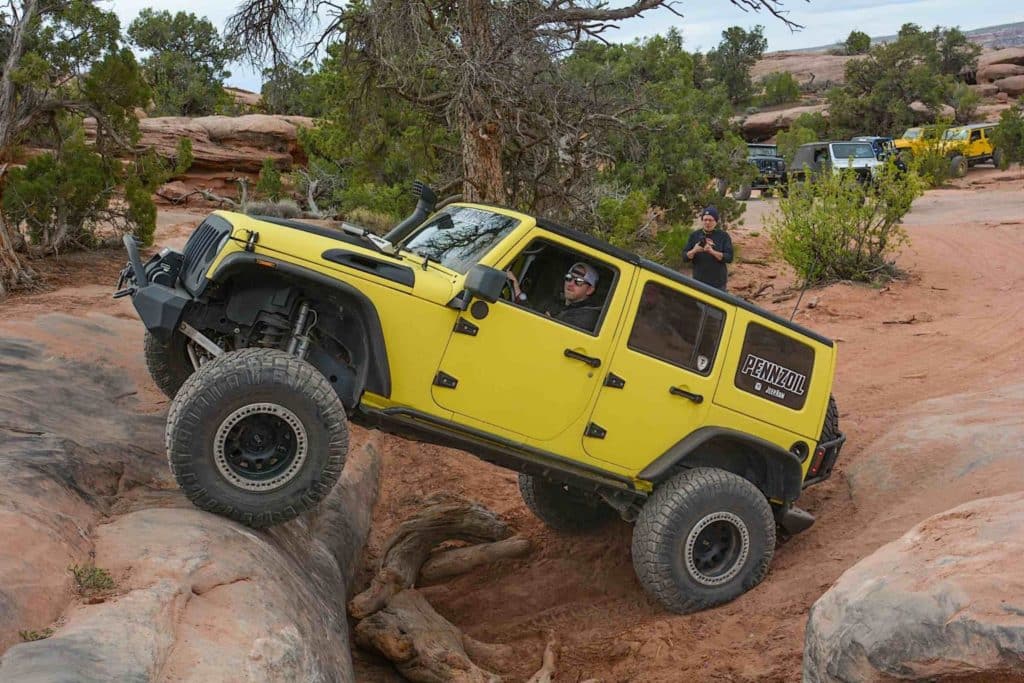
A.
pixel 615 386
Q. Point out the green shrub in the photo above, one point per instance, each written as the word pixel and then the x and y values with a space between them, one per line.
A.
pixel 183 159
pixel 779 88
pixel 284 208
pixel 620 218
pixel 931 162
pixel 90 580
pixel 832 228
pixel 857 43
pixel 269 184
pixel 30 636
pixel 1009 134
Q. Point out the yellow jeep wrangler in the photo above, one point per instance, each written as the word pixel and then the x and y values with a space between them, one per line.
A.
pixel 915 140
pixel 614 385
pixel 968 145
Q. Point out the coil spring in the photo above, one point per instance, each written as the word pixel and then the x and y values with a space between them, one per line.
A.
pixel 273 332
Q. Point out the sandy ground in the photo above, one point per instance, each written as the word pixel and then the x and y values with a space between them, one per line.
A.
pixel 951 329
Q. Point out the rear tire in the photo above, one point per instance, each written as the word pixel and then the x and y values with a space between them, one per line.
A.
pixel 704 537
pixel 958 166
pixel 830 430
pixel 258 436
pixel 563 507
pixel 168 362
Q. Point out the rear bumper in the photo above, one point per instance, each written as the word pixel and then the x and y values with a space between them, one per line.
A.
pixel 824 459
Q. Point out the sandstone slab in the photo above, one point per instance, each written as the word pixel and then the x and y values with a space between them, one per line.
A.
pixel 944 602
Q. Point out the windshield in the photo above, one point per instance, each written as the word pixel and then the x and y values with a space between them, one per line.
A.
pixel 459 236
pixel 857 150
pixel 762 150
pixel 912 134
pixel 955 134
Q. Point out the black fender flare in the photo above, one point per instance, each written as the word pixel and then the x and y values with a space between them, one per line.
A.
pixel 778 473
pixel 377 377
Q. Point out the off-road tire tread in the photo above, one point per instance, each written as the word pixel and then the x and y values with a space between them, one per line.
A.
pixel 546 500
pixel 167 378
pixel 203 389
pixel 742 193
pixel 657 519
pixel 830 430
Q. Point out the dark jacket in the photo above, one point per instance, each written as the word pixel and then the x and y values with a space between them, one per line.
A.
pixel 581 314
pixel 706 268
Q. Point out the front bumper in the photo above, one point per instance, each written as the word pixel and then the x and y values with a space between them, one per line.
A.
pixel 159 305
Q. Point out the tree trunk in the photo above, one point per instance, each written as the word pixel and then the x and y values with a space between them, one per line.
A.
pixel 482 139
pixel 482 168
pixel 13 275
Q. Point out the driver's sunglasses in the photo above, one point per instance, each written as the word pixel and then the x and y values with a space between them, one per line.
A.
pixel 569 277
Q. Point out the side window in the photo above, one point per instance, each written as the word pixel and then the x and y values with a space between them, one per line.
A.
pixel 975 135
pixel 564 285
pixel 775 367
pixel 677 329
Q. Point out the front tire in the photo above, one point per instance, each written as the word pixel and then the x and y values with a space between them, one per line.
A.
pixel 997 158
pixel 703 538
pixel 742 193
pixel 168 362
pixel 258 436
pixel 563 507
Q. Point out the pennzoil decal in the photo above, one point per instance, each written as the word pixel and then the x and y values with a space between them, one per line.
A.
pixel 775 367
pixel 774 375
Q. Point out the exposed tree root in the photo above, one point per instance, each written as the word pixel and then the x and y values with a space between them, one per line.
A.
pixel 443 519
pixel 423 645
pixel 449 563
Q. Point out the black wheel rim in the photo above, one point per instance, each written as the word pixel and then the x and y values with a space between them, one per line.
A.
pixel 716 548
pixel 260 446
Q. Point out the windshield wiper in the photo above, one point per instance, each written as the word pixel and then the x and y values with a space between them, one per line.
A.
pixel 377 242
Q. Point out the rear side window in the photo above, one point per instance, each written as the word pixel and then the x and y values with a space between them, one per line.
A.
pixel 677 329
pixel 775 367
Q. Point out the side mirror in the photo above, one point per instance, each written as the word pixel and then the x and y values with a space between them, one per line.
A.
pixel 485 282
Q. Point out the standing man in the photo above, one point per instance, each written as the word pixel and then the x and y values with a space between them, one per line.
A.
pixel 709 249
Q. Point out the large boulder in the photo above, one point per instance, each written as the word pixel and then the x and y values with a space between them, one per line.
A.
pixel 993 72
pixel 813 70
pixel 1012 86
pixel 944 602
pixel 765 124
pixel 1009 55
pixel 944 111
pixel 195 597
pixel 984 89
pixel 229 144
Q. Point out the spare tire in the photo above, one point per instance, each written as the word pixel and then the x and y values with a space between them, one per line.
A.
pixel 257 435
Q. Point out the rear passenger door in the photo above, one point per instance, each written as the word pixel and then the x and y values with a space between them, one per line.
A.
pixel 662 376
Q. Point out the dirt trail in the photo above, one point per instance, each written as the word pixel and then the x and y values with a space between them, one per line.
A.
pixel 953 327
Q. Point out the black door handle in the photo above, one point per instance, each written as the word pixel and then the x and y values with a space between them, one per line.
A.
pixel 676 391
pixel 589 360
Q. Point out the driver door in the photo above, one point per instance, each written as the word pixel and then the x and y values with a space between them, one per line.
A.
pixel 521 370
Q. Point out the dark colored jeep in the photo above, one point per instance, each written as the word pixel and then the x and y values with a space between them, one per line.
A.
pixel 771 170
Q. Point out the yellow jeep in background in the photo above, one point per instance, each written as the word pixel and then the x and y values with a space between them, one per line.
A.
pixel 968 145
pixel 914 140
pixel 690 411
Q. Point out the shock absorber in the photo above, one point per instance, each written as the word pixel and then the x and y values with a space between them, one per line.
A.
pixel 299 342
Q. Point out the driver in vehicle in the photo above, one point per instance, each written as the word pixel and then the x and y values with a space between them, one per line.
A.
pixel 576 308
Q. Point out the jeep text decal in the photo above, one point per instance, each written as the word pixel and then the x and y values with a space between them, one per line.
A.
pixel 775 367
pixel 773 374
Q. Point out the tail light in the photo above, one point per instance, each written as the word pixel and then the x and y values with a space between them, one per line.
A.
pixel 819 457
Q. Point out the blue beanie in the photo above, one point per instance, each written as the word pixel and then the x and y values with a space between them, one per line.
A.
pixel 710 211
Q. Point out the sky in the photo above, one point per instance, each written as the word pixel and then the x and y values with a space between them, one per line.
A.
pixel 825 21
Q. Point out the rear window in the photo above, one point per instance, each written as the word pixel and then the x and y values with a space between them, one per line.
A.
pixel 775 367
pixel 677 329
